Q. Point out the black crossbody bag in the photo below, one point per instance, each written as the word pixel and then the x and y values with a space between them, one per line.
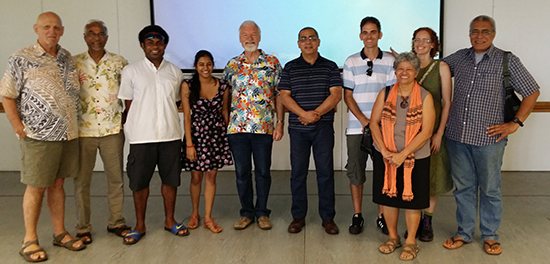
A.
pixel 512 100
pixel 366 141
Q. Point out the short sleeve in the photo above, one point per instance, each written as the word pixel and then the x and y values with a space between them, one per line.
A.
pixel 284 82
pixel 179 76
pixel 520 78
pixel 227 72
pixel 8 85
pixel 347 74
pixel 126 91
pixel 335 77
pixel 392 79
pixel 451 61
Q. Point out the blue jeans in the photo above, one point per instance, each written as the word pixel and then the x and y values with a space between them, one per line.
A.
pixel 476 168
pixel 301 142
pixel 244 146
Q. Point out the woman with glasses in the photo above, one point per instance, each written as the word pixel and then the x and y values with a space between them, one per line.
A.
pixel 402 124
pixel 434 76
pixel 205 109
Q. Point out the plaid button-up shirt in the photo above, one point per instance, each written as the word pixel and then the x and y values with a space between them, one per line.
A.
pixel 479 94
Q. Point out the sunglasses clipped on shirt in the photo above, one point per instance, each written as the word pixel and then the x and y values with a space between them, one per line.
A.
pixel 369 70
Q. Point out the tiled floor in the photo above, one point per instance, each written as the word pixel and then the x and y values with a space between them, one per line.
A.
pixel 525 229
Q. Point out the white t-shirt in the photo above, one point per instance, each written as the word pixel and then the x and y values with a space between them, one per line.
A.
pixel 153 115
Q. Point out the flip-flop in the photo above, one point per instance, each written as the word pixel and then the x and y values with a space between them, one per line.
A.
pixel 69 244
pixel 454 240
pixel 118 230
pixel 133 234
pixel 27 255
pixel 85 234
pixel 176 228
pixel 496 243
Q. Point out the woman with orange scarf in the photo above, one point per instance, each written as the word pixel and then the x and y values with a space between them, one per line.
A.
pixel 402 124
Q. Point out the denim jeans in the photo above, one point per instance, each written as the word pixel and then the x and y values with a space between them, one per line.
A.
pixel 244 146
pixel 301 142
pixel 473 169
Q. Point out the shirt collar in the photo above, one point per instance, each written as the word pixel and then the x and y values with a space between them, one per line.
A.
pixel 302 60
pixel 243 57
pixel 39 51
pixel 152 66
pixel 490 51
pixel 106 56
pixel 379 56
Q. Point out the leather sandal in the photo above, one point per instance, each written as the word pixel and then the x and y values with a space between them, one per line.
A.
pixel 82 237
pixel 411 250
pixel 391 244
pixel 119 230
pixel 210 224
pixel 193 221
pixel 27 255
pixel 69 244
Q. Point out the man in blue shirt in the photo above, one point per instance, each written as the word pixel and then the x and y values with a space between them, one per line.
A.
pixel 477 134
pixel 310 88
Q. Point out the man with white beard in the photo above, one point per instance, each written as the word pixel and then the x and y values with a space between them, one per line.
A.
pixel 254 76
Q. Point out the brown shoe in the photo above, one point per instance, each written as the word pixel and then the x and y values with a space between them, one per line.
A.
pixel 264 223
pixel 242 223
pixel 330 227
pixel 296 226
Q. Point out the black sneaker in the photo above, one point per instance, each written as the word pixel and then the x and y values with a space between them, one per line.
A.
pixel 356 226
pixel 427 233
pixel 418 230
pixel 381 223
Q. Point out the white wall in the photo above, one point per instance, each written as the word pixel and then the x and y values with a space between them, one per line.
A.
pixel 520 28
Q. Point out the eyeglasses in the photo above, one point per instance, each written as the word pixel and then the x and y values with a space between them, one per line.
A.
pixel 484 32
pixel 92 34
pixel 422 40
pixel 369 70
pixel 154 35
pixel 310 38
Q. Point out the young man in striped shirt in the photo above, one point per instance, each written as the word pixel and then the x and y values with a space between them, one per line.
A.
pixel 365 74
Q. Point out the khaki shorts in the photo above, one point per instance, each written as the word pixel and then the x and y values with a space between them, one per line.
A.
pixel 42 162
pixel 357 160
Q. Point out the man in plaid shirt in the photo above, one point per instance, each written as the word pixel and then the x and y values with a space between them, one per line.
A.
pixel 477 133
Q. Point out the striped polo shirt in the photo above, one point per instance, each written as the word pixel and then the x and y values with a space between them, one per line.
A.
pixel 365 88
pixel 309 85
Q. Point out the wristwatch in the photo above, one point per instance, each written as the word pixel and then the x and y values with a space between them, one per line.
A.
pixel 517 121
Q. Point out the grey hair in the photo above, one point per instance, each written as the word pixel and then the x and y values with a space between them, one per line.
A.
pixel 409 57
pixel 101 23
pixel 484 18
pixel 250 23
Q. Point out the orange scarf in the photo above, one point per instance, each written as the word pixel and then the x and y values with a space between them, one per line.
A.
pixel 414 123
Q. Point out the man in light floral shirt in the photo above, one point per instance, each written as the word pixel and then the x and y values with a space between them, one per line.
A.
pixel 254 76
pixel 100 121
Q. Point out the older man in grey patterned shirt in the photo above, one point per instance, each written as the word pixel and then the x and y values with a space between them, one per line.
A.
pixel 477 133
pixel 40 95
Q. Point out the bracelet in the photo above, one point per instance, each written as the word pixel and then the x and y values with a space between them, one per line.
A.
pixel 281 121
pixel 192 146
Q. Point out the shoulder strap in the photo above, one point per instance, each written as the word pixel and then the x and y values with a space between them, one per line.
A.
pixel 506 73
pixel 388 88
pixel 427 72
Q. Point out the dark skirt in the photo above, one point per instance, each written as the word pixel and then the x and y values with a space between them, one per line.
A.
pixel 420 180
